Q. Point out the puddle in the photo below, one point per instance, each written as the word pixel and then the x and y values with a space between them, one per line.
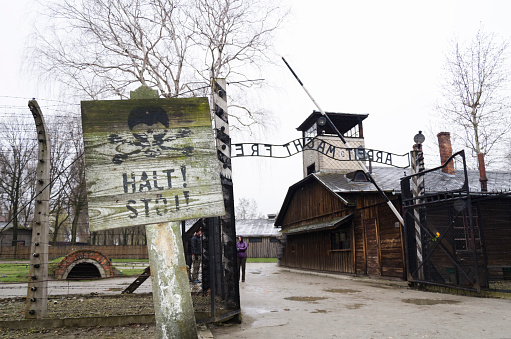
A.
pixel 307 299
pixel 429 302
pixel 319 311
pixel 341 290
pixel 354 306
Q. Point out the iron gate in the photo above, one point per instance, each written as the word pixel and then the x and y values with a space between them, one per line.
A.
pixel 442 235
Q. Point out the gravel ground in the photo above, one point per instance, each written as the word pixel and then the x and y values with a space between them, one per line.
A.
pixel 83 306
pixel 93 305
pixel 120 332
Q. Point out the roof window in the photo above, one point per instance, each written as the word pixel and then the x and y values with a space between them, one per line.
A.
pixel 357 176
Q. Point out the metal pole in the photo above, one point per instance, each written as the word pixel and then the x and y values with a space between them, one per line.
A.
pixel 227 221
pixel 417 163
pixel 364 168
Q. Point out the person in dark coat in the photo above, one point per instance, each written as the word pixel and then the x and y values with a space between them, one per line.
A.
pixel 196 251
pixel 241 247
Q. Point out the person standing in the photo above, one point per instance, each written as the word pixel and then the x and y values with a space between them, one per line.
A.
pixel 241 247
pixel 196 250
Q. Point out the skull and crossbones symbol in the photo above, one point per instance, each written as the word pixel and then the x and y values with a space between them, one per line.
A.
pixel 150 136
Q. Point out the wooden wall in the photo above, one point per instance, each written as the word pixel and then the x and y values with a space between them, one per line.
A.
pixel 495 225
pixel 388 239
pixel 313 202
pixel 377 244
pixel 312 251
pixel 264 249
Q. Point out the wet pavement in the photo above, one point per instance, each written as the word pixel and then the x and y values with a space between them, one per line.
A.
pixel 282 303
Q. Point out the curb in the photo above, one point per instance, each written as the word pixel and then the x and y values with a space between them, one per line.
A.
pixel 387 282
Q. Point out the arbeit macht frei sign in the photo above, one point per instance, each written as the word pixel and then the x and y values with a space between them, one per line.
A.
pixel 149 161
pixel 321 146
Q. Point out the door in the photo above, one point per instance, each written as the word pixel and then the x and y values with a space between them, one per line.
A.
pixel 372 252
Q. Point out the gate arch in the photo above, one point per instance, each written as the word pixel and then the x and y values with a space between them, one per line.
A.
pixel 101 262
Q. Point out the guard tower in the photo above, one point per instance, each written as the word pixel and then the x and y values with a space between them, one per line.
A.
pixel 350 126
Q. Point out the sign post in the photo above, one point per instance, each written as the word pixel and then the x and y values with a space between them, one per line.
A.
pixel 153 162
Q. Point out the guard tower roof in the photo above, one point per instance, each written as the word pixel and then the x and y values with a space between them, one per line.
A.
pixel 343 121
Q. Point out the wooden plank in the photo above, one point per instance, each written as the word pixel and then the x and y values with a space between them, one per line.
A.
pixel 150 161
pixel 373 262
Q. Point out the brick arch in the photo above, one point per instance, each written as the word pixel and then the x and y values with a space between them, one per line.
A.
pixel 74 258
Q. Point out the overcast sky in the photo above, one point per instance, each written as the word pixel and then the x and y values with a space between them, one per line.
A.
pixel 383 58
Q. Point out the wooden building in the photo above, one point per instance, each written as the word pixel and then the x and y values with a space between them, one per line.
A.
pixel 6 235
pixel 335 220
pixel 261 236
pixel 337 224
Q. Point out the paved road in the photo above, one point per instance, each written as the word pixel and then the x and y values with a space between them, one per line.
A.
pixel 280 303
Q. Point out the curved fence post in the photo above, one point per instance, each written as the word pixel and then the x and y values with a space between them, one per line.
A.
pixel 37 291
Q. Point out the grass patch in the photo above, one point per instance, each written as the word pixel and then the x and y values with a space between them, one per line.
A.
pixel 128 260
pixel 131 272
pixel 57 260
pixel 13 273
pixel 263 260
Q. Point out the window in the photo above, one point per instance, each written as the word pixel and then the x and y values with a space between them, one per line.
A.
pixel 341 240
pixel 255 239
pixel 357 176
pixel 311 169
pixel 273 240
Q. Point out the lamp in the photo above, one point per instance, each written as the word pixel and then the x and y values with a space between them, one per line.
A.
pixel 419 138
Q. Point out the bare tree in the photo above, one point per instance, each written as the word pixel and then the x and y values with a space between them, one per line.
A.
pixel 61 156
pixel 17 163
pixel 233 34
pixel 247 209
pixel 105 48
pixel 77 197
pixel 475 103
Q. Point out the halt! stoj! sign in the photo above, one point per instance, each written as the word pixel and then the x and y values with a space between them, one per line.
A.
pixel 149 161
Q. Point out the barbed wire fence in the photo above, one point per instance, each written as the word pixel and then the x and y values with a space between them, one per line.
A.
pixel 126 248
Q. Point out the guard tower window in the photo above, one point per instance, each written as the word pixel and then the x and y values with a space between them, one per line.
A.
pixel 348 126
pixel 312 132
pixel 311 169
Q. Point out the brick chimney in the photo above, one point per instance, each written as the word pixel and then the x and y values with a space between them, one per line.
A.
pixel 482 173
pixel 444 144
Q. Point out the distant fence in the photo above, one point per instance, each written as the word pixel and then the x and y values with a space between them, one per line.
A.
pixel 258 247
pixel 111 251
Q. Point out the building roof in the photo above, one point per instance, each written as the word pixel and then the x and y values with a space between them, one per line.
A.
pixel 343 121
pixel 319 226
pixel 256 228
pixel 4 226
pixel 389 180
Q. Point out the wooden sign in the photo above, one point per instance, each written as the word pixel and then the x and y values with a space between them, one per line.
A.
pixel 150 161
